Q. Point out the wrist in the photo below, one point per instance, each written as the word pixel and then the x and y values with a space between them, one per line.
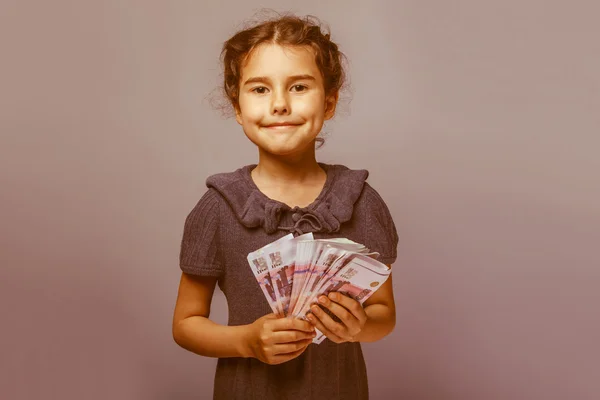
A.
pixel 380 322
pixel 246 348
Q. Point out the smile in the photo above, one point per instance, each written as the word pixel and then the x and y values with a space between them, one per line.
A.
pixel 281 127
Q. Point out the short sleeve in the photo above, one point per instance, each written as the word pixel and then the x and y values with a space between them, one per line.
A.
pixel 381 235
pixel 200 245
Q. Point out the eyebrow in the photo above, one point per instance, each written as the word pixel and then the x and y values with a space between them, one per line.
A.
pixel 290 78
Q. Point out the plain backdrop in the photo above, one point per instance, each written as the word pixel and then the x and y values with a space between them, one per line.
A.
pixel 478 122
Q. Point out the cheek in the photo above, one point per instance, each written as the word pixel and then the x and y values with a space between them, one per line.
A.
pixel 313 106
pixel 251 112
pixel 307 110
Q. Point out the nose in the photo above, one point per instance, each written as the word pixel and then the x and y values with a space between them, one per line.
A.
pixel 280 102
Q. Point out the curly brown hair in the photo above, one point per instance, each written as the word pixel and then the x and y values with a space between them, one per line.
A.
pixel 285 29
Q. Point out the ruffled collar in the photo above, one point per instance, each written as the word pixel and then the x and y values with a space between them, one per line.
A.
pixel 326 213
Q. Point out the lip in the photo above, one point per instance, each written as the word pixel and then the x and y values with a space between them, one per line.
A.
pixel 281 126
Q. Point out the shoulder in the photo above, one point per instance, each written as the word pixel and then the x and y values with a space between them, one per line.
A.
pixel 372 207
pixel 371 194
pixel 376 211
pixel 200 243
pixel 347 184
pixel 371 199
pixel 345 175
pixel 207 208
pixel 209 199
pixel 225 179
pixel 380 230
pixel 220 187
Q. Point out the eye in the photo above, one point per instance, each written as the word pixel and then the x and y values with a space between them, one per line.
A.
pixel 257 89
pixel 262 89
pixel 300 86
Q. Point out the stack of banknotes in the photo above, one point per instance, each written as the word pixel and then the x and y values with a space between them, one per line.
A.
pixel 293 271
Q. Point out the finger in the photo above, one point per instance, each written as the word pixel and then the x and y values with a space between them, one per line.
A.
pixel 345 316
pixel 321 326
pixel 292 336
pixel 293 347
pixel 335 327
pixel 281 358
pixel 286 324
pixel 350 304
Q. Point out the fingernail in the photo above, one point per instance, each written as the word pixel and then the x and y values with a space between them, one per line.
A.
pixel 322 300
pixel 333 296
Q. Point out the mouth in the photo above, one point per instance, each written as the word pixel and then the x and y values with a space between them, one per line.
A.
pixel 282 126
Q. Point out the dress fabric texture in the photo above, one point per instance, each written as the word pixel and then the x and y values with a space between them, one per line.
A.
pixel 233 218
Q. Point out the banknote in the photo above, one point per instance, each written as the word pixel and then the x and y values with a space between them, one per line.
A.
pixel 328 256
pixel 261 273
pixel 333 250
pixel 313 265
pixel 293 271
pixel 358 279
pixel 305 274
pixel 304 251
pixel 281 261
pixel 327 279
pixel 258 265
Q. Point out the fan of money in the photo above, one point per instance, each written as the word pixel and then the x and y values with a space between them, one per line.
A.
pixel 293 271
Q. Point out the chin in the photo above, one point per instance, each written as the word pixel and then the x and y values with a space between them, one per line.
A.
pixel 280 150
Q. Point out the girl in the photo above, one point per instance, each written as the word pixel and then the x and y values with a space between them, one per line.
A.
pixel 283 79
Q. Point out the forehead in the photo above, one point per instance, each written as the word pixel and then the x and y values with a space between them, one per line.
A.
pixel 274 60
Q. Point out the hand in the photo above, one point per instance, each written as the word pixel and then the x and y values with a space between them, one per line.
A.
pixel 350 312
pixel 275 340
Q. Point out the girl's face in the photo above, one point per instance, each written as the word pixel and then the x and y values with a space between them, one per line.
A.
pixel 282 85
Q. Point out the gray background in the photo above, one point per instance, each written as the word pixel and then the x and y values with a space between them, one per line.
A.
pixel 478 121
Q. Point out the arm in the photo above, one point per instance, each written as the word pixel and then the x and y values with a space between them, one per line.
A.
pixel 269 339
pixel 192 329
pixel 380 309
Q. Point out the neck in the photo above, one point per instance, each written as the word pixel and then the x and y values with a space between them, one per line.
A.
pixel 288 170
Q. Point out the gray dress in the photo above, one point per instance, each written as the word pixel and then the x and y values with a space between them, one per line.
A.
pixel 234 218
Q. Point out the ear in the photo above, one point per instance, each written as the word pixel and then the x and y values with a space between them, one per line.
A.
pixel 238 115
pixel 330 105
